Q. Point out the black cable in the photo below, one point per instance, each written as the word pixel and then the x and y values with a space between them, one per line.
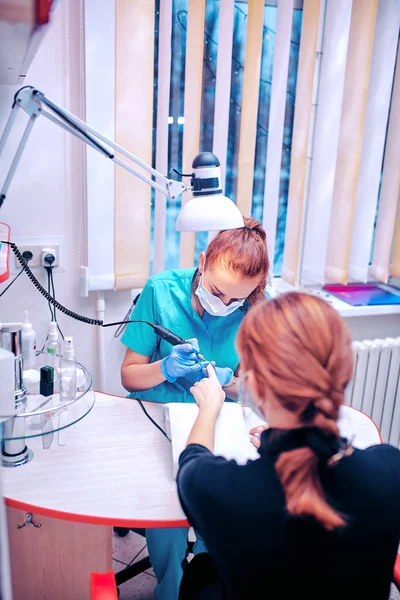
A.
pixel 159 330
pixel 125 323
pixel 49 270
pixel 54 296
pixel 49 259
pixel 151 419
pixel 54 302
pixel 49 293
pixel 81 318
pixel 122 327
pixel 18 91
pixel 48 297
pixel 11 282
pixel 52 290
pixel 50 309
pixel 180 174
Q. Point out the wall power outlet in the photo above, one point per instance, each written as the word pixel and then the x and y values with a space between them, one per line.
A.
pixel 40 247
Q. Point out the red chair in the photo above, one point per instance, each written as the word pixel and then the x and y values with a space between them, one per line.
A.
pixel 103 586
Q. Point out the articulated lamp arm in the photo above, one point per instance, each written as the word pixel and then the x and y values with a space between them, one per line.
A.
pixel 208 210
pixel 35 104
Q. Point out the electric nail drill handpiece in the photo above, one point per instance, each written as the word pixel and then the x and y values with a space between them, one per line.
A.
pixel 171 338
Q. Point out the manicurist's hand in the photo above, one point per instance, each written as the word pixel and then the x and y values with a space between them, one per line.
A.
pixel 208 392
pixel 255 434
pixel 181 361
pixel 224 375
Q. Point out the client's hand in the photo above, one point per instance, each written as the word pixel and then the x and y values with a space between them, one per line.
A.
pixel 208 392
pixel 255 434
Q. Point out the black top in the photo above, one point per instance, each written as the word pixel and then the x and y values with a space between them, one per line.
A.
pixel 259 549
pixel 205 159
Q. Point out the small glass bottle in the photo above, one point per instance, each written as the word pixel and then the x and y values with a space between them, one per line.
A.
pixel 52 353
pixel 28 345
pixel 68 372
pixel 53 346
pixel 67 387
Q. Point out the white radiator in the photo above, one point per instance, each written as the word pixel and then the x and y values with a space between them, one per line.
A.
pixel 374 388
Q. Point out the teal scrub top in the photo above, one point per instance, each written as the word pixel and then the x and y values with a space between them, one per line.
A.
pixel 166 300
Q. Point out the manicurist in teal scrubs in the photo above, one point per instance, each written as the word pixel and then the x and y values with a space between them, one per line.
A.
pixel 204 306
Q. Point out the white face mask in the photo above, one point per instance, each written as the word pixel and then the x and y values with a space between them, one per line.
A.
pixel 214 305
pixel 244 397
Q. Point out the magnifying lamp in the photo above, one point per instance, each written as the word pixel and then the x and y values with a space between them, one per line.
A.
pixel 208 209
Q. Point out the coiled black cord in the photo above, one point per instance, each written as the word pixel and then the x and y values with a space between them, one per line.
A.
pixel 55 302
pixel 52 301
pixel 44 293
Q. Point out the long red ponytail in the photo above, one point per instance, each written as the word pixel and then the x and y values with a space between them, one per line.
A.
pixel 299 350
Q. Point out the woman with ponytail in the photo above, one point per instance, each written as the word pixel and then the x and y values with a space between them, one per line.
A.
pixel 204 305
pixel 312 517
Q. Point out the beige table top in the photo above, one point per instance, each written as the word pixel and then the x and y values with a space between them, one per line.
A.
pixel 116 468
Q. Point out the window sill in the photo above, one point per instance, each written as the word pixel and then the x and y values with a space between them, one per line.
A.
pixel 279 286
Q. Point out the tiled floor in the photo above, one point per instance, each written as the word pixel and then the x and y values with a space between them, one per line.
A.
pixel 142 587
pixel 124 551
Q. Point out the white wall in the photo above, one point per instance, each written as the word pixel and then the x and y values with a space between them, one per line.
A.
pixel 366 328
pixel 46 198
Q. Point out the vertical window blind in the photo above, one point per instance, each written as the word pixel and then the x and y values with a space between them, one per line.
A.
pixel 304 102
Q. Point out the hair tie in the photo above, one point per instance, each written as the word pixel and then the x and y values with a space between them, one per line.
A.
pixel 248 228
pixel 327 447
pixel 309 412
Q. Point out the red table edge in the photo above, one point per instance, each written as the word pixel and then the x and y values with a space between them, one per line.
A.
pixel 93 520
pixel 110 522
pixel 368 417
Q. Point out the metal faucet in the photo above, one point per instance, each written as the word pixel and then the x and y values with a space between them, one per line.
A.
pixel 14 451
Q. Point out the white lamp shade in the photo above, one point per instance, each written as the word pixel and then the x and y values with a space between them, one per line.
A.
pixel 209 213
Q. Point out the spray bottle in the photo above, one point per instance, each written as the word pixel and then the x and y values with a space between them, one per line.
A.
pixel 53 347
pixel 67 385
pixel 28 344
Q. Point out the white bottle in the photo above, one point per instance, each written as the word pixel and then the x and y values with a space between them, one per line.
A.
pixel 28 344
pixel 67 387
pixel 68 372
pixel 53 347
